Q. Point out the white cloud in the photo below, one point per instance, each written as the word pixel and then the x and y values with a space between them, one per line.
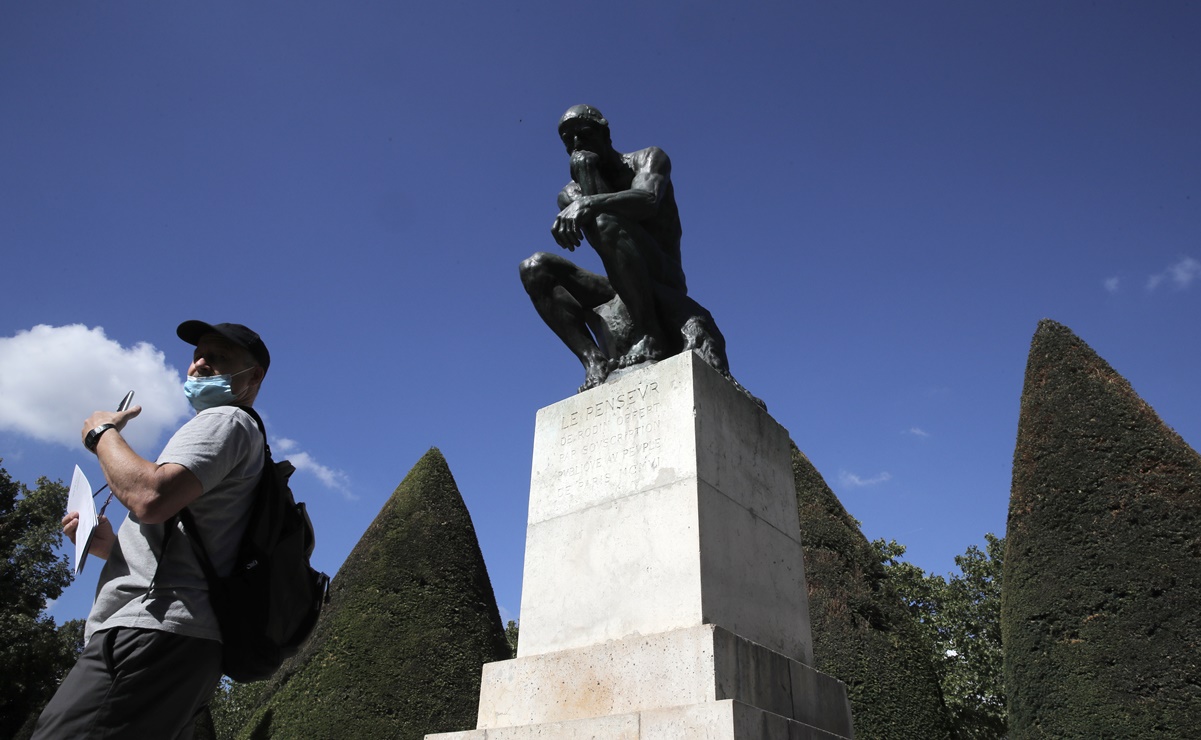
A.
pixel 335 480
pixel 53 377
pixel 851 480
pixel 917 432
pixel 1182 274
pixel 1112 284
pixel 1185 272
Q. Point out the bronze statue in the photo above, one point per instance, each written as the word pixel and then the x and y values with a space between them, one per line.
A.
pixel 625 207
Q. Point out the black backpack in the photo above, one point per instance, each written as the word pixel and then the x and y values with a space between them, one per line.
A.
pixel 269 603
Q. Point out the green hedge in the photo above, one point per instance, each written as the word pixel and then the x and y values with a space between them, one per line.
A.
pixel 411 620
pixel 862 633
pixel 1102 597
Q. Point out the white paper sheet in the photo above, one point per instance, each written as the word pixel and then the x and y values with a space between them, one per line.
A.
pixel 80 499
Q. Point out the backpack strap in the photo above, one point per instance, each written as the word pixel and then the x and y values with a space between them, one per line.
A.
pixel 262 428
pixel 189 522
pixel 189 526
pixel 169 527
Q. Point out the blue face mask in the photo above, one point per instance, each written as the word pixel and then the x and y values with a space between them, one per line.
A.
pixel 211 391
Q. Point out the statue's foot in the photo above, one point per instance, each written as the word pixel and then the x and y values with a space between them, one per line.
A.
pixel 596 371
pixel 644 350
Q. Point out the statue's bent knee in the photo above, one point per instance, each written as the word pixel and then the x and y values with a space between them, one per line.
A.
pixel 535 275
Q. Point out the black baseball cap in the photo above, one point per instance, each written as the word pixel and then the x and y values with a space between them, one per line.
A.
pixel 192 331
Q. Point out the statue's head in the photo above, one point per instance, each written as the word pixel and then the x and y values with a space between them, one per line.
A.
pixel 585 123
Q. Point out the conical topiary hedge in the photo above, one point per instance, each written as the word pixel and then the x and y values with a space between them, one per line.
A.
pixel 862 633
pixel 411 619
pixel 1101 609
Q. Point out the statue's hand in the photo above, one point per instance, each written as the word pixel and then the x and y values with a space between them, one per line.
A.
pixel 568 229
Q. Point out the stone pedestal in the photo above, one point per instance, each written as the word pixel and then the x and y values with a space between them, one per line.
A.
pixel 664 586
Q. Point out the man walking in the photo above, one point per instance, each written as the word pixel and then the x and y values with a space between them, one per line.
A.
pixel 153 652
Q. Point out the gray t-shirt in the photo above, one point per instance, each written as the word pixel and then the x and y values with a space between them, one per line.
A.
pixel 223 447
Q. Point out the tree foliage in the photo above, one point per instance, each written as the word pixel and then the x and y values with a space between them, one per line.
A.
pixel 34 653
pixel 961 617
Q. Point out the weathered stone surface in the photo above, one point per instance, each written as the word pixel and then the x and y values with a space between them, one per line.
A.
pixel 726 720
pixel 1101 608
pixel 640 673
pixel 721 720
pixel 660 501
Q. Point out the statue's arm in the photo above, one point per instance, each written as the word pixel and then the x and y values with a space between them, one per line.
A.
pixel 652 172
pixel 570 194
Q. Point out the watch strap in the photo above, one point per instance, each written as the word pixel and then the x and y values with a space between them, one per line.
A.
pixel 93 437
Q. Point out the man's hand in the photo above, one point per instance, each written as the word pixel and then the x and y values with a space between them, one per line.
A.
pixel 108 417
pixel 102 536
pixel 568 228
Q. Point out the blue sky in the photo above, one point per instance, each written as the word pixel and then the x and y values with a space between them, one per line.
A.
pixel 880 201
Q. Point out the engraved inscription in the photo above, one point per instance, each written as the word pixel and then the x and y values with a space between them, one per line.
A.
pixel 616 437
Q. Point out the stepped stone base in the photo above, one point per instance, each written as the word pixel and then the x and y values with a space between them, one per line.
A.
pixel 722 720
pixel 641 673
pixel 664 585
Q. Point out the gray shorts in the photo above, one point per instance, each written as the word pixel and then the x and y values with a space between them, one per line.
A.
pixel 134 683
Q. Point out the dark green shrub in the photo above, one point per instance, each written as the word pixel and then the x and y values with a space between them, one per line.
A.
pixel 1101 609
pixel 411 620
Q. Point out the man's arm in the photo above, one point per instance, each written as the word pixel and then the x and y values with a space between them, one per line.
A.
pixel 153 493
pixel 652 172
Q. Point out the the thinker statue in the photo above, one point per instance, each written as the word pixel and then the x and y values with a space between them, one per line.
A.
pixel 625 207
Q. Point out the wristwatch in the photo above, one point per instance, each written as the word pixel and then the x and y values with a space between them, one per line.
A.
pixel 93 437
